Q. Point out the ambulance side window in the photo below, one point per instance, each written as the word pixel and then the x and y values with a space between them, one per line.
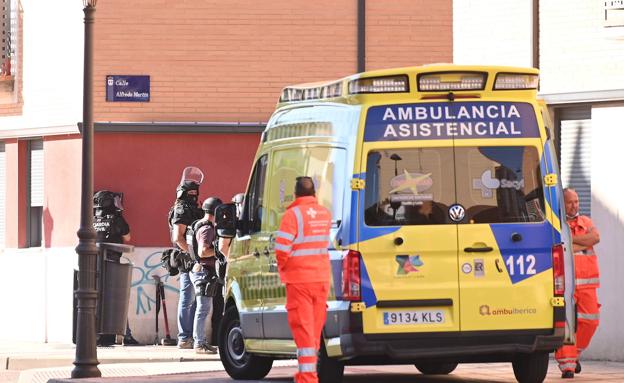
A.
pixel 253 209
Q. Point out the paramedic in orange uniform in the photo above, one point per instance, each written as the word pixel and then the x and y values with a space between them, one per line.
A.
pixel 587 278
pixel 303 262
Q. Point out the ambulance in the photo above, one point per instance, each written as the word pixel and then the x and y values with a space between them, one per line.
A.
pixel 448 244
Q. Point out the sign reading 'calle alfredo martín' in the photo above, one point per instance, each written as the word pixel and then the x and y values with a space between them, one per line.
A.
pixel 128 88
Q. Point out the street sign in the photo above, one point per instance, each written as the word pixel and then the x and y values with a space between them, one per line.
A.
pixel 127 88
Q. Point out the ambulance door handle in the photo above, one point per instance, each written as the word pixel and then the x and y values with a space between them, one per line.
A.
pixel 485 249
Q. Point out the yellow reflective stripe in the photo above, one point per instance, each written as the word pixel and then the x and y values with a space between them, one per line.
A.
pixel 306 351
pixel 315 238
pixel 307 367
pixel 285 248
pixel 306 252
pixel 299 217
pixel 587 281
pixel 589 316
pixel 285 235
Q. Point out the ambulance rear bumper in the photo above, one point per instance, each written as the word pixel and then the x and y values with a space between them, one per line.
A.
pixel 457 346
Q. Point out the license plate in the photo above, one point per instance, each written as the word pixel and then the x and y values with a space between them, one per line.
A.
pixel 413 317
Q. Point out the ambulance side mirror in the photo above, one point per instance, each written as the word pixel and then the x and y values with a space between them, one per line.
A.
pixel 225 217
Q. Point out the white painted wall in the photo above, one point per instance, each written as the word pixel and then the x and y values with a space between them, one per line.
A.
pixel 41 297
pixel 492 32
pixel 608 216
pixel 53 61
pixel 577 52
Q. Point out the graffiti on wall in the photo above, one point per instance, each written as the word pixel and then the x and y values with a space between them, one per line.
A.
pixel 143 283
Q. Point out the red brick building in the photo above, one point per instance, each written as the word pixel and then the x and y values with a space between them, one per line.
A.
pixel 216 70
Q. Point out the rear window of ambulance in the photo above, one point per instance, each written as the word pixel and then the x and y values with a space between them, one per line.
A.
pixel 416 186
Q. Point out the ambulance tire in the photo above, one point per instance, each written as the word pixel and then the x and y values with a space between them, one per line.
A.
pixel 238 363
pixel 329 370
pixel 436 368
pixel 531 368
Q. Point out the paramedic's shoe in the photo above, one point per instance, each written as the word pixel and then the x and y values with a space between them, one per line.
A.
pixel 578 368
pixel 205 349
pixel 185 343
pixel 569 374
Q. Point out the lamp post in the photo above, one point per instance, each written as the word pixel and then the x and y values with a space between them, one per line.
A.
pixel 86 353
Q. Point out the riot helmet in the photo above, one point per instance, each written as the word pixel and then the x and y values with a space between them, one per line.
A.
pixel 188 189
pixel 210 204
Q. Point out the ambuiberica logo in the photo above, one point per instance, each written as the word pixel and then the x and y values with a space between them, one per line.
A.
pixel 486 310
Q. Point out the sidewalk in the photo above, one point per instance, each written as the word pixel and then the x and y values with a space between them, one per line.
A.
pixel 39 362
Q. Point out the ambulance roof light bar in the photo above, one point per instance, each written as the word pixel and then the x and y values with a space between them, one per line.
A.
pixel 451 81
pixel 516 81
pixel 382 84
pixel 307 93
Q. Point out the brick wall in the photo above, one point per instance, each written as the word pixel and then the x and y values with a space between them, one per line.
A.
pixel 408 33
pixel 227 61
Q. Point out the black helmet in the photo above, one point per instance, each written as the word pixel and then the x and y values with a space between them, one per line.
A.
pixel 210 204
pixel 104 200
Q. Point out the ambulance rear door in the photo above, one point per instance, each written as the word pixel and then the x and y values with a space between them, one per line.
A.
pixel 408 244
pixel 505 237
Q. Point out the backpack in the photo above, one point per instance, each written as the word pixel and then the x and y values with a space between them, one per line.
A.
pixel 191 237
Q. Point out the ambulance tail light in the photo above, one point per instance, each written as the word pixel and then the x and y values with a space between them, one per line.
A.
pixel 451 81
pixel 558 270
pixel 351 276
pixel 515 81
pixel 384 84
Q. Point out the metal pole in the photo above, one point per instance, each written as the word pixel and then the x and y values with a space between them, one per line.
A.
pixel 86 353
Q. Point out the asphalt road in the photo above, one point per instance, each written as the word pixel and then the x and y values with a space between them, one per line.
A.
pixel 467 373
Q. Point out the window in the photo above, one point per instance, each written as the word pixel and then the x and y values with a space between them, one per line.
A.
pixel 35 193
pixel 417 186
pixel 409 186
pixel 324 164
pixel 8 53
pixel 499 184
pixel 254 199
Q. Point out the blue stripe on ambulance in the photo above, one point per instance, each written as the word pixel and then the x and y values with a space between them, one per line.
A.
pixel 368 293
pixel 528 257
pixel 551 193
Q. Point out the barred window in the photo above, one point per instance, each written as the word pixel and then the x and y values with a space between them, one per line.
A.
pixel 8 50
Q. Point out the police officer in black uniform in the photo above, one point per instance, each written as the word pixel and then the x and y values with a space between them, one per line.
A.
pixel 183 213
pixel 110 226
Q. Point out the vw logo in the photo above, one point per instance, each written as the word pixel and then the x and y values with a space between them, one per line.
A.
pixel 456 212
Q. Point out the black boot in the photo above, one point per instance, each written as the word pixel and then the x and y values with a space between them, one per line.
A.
pixel 128 340
pixel 567 375
pixel 577 370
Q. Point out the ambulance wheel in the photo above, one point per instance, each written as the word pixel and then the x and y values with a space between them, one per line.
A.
pixel 436 368
pixel 238 363
pixel 329 370
pixel 531 368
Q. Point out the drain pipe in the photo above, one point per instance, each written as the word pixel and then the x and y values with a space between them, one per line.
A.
pixel 361 35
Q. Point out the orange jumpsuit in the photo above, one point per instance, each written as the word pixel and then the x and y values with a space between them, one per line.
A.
pixel 587 280
pixel 303 263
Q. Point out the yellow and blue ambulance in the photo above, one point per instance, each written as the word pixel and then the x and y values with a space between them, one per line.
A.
pixel 448 240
